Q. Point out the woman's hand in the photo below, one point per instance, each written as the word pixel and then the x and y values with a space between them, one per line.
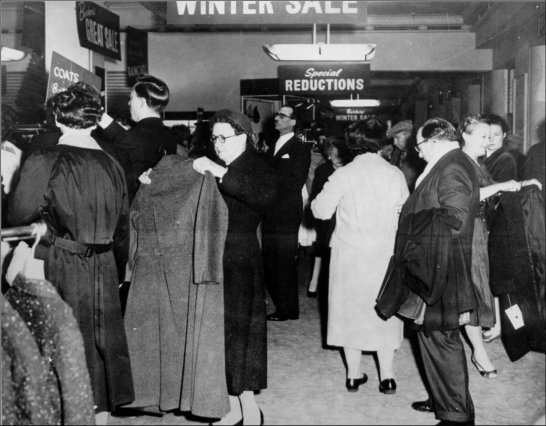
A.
pixel 144 177
pixel 204 164
pixel 531 182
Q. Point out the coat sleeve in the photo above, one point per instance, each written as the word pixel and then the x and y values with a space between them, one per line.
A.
pixel 210 231
pixel 256 190
pixel 121 236
pixel 455 189
pixel 117 136
pixel 30 195
pixel 325 204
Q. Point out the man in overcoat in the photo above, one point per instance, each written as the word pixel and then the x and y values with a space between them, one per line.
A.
pixel 448 182
pixel 290 160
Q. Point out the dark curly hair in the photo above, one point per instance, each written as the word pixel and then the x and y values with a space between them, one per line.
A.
pixel 366 136
pixel 77 107
pixel 153 90
pixel 438 128
pixel 494 119
pixel 235 120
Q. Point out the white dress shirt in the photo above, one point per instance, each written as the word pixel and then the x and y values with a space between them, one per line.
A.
pixel 281 141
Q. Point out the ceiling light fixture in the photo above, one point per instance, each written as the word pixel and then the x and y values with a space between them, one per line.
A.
pixel 320 51
pixel 12 55
pixel 354 103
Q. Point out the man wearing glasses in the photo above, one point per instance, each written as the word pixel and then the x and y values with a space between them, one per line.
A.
pixel 448 184
pixel 290 160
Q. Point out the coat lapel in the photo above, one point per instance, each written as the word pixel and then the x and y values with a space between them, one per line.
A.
pixel 285 148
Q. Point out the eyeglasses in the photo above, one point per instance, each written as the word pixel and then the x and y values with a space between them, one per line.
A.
pixel 280 114
pixel 221 138
pixel 420 143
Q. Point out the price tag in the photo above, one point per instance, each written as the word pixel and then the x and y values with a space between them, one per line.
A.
pixel 515 316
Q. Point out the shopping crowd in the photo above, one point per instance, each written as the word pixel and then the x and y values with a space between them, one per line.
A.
pixel 146 288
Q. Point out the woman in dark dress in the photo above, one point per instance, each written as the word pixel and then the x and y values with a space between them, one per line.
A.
pixel 80 192
pixel 248 187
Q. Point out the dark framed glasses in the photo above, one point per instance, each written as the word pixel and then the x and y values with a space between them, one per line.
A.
pixel 416 147
pixel 281 115
pixel 221 138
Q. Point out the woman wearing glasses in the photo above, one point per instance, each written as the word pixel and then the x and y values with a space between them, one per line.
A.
pixel 248 187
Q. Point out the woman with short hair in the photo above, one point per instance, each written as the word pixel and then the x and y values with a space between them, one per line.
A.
pixel 249 187
pixel 80 193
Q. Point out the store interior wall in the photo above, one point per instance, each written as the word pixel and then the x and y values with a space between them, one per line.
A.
pixel 204 69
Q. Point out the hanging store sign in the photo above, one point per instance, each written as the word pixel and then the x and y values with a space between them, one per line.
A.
pixel 63 73
pixel 331 79
pixel 137 54
pixel 265 12
pixel 98 29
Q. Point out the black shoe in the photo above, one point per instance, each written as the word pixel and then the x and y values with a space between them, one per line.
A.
pixel 278 317
pixel 424 406
pixel 261 417
pixel 312 294
pixel 352 385
pixel 387 386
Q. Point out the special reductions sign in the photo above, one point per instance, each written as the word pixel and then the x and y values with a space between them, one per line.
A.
pixel 98 29
pixel 137 54
pixel 63 73
pixel 265 12
pixel 335 79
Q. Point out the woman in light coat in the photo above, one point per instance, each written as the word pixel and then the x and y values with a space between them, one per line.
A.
pixel 366 196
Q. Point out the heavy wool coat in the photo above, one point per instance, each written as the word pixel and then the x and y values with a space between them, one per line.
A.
pixel 174 318
pixel 81 194
pixel 452 184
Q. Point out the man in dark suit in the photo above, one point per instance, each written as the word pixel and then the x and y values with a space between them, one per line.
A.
pixel 149 139
pixel 449 182
pixel 290 159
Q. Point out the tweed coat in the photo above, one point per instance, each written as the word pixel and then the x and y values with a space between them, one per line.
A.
pixel 452 184
pixel 174 317
pixel 55 330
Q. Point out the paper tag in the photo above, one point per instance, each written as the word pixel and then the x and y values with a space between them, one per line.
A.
pixel 515 316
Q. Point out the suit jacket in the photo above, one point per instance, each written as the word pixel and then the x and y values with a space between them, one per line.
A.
pixel 291 166
pixel 452 184
pixel 145 144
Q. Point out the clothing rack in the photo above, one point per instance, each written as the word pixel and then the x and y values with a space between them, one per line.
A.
pixel 28 232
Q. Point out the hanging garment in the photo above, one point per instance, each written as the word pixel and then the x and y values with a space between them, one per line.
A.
pixel 174 319
pixel 27 395
pixel 53 326
pixel 516 248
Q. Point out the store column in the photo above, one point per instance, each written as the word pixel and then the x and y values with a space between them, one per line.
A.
pixel 537 96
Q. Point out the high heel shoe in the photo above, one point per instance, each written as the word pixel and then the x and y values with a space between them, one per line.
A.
pixel 491 374
pixel 261 418
pixel 352 385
